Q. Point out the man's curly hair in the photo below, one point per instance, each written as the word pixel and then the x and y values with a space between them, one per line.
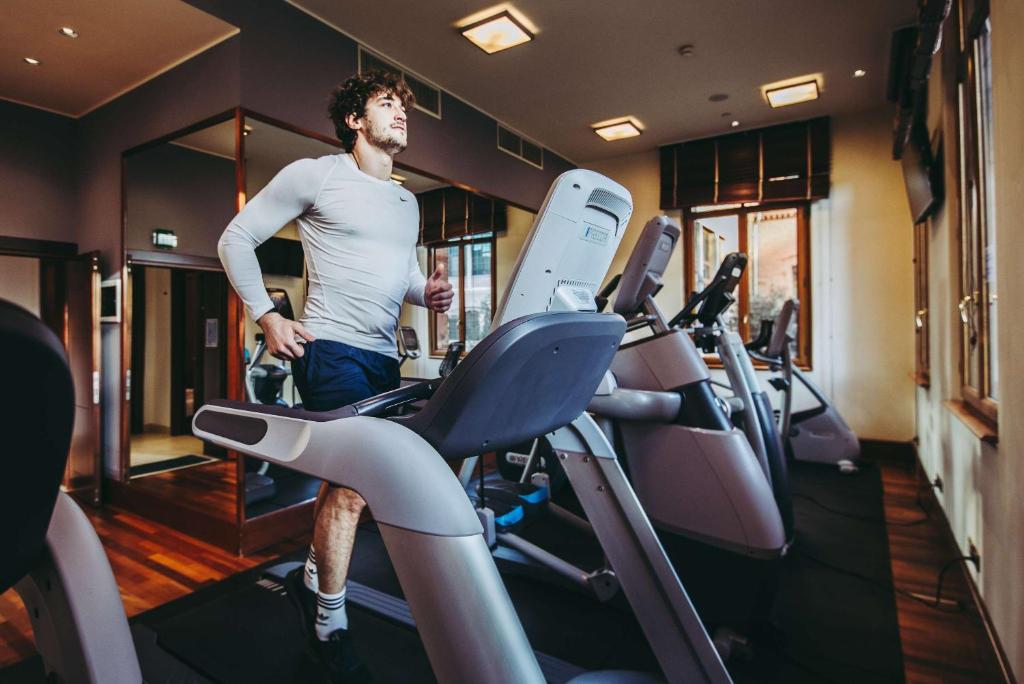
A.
pixel 352 95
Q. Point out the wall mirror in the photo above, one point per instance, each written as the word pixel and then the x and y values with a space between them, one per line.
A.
pixel 187 339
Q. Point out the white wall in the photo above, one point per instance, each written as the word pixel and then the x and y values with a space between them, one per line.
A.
pixel 19 282
pixel 983 495
pixel 862 281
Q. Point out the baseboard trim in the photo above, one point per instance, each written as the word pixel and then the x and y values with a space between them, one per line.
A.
pixel 990 629
pixel 881 450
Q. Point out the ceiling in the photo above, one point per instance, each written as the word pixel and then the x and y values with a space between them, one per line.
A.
pixel 268 149
pixel 120 45
pixel 591 61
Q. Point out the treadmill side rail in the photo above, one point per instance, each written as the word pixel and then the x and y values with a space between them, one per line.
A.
pixel 398 473
pixel 662 607
pixel 457 597
pixel 75 606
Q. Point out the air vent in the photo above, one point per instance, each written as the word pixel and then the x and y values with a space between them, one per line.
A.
pixel 428 98
pixel 519 147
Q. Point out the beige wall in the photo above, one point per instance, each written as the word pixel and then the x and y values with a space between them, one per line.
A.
pixel 19 282
pixel 156 393
pixel 983 485
pixel 862 294
pixel 867 317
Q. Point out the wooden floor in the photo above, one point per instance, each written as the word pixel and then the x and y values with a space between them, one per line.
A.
pixel 151 447
pixel 210 488
pixel 949 647
pixel 155 564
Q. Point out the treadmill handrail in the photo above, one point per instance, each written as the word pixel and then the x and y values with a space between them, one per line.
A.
pixel 395 470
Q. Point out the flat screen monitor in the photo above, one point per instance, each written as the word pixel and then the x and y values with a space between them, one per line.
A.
pixel 918 175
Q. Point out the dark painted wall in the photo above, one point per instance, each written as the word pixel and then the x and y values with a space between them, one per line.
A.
pixel 291 62
pixel 37 174
pixel 175 188
pixel 200 88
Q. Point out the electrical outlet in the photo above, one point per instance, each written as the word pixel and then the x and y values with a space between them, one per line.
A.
pixel 937 483
pixel 972 553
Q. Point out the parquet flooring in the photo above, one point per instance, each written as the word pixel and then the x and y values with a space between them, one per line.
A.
pixel 155 564
pixel 948 647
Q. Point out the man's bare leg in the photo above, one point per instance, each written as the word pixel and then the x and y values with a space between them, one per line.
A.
pixel 334 534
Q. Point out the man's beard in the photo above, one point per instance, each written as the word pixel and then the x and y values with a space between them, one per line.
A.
pixel 384 139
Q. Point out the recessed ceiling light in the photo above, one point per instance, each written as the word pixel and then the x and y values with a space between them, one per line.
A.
pixel 32 60
pixel 792 94
pixel 398 179
pixel 247 129
pixel 719 97
pixel 686 50
pixel 735 124
pixel 67 31
pixel 859 73
pixel 617 129
pixel 497 32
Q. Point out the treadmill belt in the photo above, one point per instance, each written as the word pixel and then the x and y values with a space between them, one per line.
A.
pixel 253 635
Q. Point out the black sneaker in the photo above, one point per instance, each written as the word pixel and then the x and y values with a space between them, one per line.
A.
pixel 301 597
pixel 338 659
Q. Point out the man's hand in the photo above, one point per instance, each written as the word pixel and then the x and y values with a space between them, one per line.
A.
pixel 284 337
pixel 437 293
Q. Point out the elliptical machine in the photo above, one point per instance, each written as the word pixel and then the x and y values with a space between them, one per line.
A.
pixel 817 434
pixel 750 408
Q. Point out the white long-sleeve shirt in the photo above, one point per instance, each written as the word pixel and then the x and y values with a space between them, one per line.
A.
pixel 359 236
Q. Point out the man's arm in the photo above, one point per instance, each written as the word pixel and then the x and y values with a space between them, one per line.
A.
pixel 414 295
pixel 290 193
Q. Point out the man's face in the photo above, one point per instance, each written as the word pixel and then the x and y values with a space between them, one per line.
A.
pixel 384 124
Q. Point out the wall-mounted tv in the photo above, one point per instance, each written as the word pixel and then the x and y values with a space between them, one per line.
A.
pixel 922 173
pixel 280 256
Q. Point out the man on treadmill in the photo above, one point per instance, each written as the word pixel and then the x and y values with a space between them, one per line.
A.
pixel 359 231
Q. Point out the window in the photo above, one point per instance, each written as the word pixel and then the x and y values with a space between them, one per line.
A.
pixel 776 241
pixel 469 264
pixel 978 297
pixel 921 327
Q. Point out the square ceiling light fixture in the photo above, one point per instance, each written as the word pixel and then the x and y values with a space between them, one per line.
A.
pixel 497 32
pixel 618 129
pixel 783 95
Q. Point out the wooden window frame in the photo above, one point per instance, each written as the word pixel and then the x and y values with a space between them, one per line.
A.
pixel 803 357
pixel 460 301
pixel 922 357
pixel 972 236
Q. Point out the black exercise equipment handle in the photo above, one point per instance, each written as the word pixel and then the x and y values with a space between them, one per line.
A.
pixel 388 401
pixel 606 292
pixel 451 359
pixel 764 336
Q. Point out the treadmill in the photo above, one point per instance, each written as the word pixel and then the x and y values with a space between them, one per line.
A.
pixel 540 369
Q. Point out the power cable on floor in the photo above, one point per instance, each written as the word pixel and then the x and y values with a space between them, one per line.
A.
pixel 889 586
pixel 865 518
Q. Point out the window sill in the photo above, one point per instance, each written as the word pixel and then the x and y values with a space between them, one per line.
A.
pixel 714 362
pixel 983 429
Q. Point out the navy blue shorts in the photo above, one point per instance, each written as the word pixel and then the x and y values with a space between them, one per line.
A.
pixel 332 374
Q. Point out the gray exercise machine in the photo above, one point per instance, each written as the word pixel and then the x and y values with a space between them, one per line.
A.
pixel 817 434
pixel 703 317
pixel 532 375
pixel 695 473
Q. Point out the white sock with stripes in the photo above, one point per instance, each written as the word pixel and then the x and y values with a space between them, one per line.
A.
pixel 330 614
pixel 309 576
